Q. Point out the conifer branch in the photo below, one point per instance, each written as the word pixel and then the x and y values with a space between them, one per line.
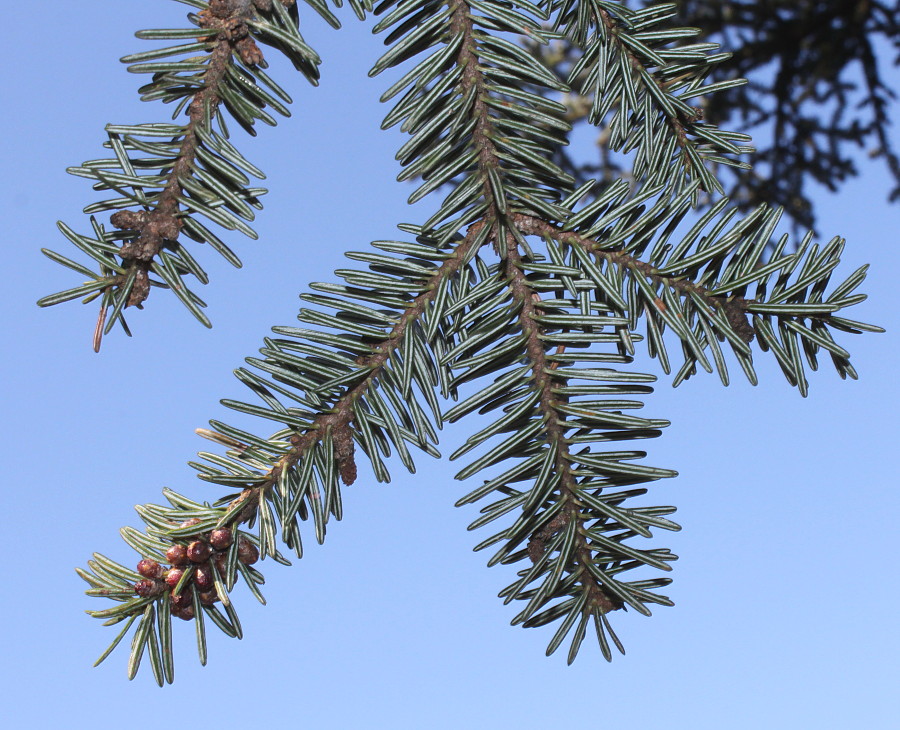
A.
pixel 535 335
pixel 634 66
pixel 471 84
pixel 677 119
pixel 197 171
pixel 194 554
pixel 150 229
pixel 554 434
pixel 338 418
pixel 735 308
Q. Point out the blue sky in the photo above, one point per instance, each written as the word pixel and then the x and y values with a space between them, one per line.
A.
pixel 785 590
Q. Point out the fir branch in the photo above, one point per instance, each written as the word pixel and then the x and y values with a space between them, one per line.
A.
pixel 567 504
pixel 598 598
pixel 471 109
pixel 433 314
pixel 735 307
pixel 153 227
pixel 338 418
pixel 199 171
pixel 712 287
pixel 472 84
pixel 277 475
pixel 678 120
pixel 631 65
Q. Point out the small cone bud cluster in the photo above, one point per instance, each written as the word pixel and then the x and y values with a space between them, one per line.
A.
pixel 198 556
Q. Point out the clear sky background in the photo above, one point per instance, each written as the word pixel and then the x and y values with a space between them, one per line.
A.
pixel 786 591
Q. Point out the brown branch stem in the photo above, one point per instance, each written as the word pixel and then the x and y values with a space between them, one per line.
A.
pixel 734 307
pixel 473 77
pixel 160 224
pixel 338 418
pixel 555 435
pixel 678 124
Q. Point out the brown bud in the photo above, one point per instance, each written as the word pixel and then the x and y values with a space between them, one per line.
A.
pixel 125 219
pixel 343 454
pixel 150 569
pixel 177 555
pixel 198 551
pixel 167 227
pixel 221 538
pixel 189 523
pixel 249 52
pixel 247 552
pixel 203 577
pixel 208 598
pixel 173 575
pixel 145 588
pixel 186 613
pixel 221 561
pixel 182 600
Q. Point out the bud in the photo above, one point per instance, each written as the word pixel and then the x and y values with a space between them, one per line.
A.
pixel 173 575
pixel 186 613
pixel 177 555
pixel 198 551
pixel 182 600
pixel 221 538
pixel 203 577
pixel 145 588
pixel 221 561
pixel 189 523
pixel 247 552
pixel 208 598
pixel 150 569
